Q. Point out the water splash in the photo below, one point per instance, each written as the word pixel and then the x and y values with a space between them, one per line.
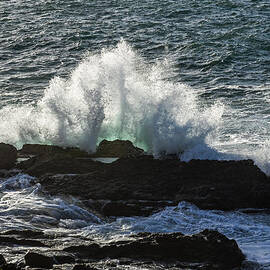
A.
pixel 113 94
pixel 261 157
pixel 23 205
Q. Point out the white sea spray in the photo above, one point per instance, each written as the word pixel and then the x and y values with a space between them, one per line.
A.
pixel 114 95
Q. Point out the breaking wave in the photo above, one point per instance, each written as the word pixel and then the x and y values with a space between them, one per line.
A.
pixel 114 94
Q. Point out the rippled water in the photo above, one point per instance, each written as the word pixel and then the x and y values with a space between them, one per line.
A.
pixel 177 75
pixel 220 49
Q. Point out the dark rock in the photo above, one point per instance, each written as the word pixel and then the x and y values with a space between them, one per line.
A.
pixel 132 208
pixel 207 246
pixel 128 263
pixel 51 150
pixel 82 251
pixel 21 242
pixel 62 259
pixel 8 173
pixel 11 266
pixel 33 259
pixel 44 159
pixel 24 233
pixel 118 148
pixel 57 160
pixel 255 211
pixel 248 265
pixel 8 156
pixel 39 149
pixel 37 166
pixel 83 267
pixel 224 185
pixel 7 266
pixel 121 209
pixel 2 260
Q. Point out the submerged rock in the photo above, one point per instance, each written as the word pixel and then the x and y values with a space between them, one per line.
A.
pixel 118 148
pixel 207 246
pixel 8 156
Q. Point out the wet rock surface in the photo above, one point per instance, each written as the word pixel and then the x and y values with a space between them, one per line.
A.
pixel 58 164
pixel 38 260
pixel 8 156
pixel 134 185
pixel 132 207
pixel 50 150
pixel 224 185
pixel 205 250
pixel 207 246
pixel 118 148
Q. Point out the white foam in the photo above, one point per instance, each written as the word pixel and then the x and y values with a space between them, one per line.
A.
pixel 114 94
pixel 252 232
pixel 24 206
pixel 261 157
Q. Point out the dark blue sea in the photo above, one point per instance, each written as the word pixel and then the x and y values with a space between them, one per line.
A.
pixel 173 76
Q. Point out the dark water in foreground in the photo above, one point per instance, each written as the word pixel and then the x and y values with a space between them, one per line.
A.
pixel 188 76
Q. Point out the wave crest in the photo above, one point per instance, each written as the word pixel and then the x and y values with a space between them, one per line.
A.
pixel 114 94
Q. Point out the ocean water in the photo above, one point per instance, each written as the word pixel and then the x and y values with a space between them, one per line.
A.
pixel 190 77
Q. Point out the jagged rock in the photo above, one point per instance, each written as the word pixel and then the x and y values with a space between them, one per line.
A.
pixel 33 259
pixel 207 246
pixel 224 185
pixel 8 156
pixel 117 148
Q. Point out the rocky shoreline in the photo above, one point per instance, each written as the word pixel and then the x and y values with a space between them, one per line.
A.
pixel 206 250
pixel 135 184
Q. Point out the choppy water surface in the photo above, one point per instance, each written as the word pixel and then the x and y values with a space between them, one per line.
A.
pixel 186 76
pixel 220 49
